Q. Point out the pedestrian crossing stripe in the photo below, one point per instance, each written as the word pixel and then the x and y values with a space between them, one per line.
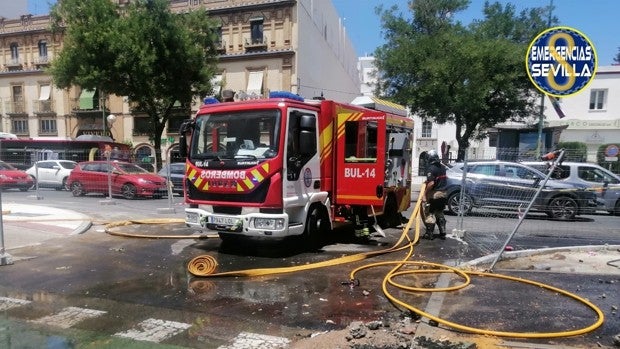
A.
pixel 256 340
pixel 69 316
pixel 8 303
pixel 154 330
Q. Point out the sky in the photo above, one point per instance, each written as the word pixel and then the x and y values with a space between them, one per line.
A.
pixel 596 19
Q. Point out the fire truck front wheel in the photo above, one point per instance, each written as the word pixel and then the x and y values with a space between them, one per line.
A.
pixel 317 225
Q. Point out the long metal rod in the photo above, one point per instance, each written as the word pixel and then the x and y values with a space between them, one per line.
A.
pixel 529 206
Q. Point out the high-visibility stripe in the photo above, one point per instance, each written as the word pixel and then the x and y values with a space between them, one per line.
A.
pixel 359 197
pixel 257 175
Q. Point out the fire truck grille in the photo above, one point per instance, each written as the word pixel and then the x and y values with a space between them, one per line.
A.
pixel 258 195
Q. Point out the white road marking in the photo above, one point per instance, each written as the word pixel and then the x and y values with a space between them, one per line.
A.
pixel 257 341
pixel 154 330
pixel 8 303
pixel 69 316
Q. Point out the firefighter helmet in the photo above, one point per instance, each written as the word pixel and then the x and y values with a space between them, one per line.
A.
pixel 432 156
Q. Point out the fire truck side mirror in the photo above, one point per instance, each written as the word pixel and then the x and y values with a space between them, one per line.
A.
pixel 186 129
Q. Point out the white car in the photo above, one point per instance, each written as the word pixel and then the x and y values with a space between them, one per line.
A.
pixel 51 173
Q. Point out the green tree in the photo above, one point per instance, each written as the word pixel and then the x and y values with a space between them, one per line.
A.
pixel 142 51
pixel 473 76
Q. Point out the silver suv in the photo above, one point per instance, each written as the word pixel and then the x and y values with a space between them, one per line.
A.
pixel 510 185
pixel 604 183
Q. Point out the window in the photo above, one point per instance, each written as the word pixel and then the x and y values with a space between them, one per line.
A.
pixel 47 126
pixel 19 126
pixel 597 99
pixel 18 99
pixel 141 126
pixel 360 141
pixel 44 102
pixel 489 170
pixel 427 129
pixel 256 31
pixel 14 52
pixel 42 48
pixel 174 123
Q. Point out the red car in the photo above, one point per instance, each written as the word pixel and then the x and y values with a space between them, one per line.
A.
pixel 128 180
pixel 12 178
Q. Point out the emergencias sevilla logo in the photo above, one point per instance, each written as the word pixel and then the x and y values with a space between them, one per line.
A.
pixel 561 61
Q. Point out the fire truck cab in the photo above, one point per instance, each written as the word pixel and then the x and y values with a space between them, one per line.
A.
pixel 285 166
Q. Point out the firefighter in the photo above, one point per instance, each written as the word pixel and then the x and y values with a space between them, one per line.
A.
pixel 435 195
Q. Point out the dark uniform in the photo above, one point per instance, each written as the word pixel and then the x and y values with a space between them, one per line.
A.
pixel 436 194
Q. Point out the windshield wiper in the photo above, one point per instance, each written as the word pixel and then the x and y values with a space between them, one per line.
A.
pixel 246 156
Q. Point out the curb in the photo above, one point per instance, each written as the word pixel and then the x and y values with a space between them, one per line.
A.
pixel 508 255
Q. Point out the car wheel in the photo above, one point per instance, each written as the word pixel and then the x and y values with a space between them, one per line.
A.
pixel 454 203
pixel 562 207
pixel 77 189
pixel 616 211
pixel 316 228
pixel 129 191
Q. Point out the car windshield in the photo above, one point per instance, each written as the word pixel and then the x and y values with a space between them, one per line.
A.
pixel 240 135
pixel 131 168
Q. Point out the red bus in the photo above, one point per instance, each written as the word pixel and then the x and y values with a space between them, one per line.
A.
pixel 22 153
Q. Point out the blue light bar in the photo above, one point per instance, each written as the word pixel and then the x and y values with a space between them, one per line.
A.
pixel 210 100
pixel 285 94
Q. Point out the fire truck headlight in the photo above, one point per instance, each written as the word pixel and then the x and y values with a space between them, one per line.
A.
pixel 269 223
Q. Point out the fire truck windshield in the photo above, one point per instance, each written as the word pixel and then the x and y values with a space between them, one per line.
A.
pixel 238 135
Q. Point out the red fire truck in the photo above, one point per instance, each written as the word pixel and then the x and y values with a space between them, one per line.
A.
pixel 286 166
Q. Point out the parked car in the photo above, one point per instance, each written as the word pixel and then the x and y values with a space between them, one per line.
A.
pixel 177 173
pixel 12 178
pixel 604 183
pixel 51 173
pixel 503 184
pixel 128 180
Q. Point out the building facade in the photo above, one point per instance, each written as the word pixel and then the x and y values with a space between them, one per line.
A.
pixel 299 46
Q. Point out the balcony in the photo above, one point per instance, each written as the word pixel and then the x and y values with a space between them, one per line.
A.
pixel 42 61
pixel 13 63
pixel 15 108
pixel 256 44
pixel 426 134
pixel 220 47
pixel 45 107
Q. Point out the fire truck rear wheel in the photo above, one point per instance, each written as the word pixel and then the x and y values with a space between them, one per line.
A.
pixel 316 227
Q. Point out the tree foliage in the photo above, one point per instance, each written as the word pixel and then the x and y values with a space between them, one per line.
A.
pixel 473 76
pixel 142 51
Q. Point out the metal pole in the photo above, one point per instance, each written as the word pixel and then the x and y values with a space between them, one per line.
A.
pixel 5 258
pixel 109 200
pixel 522 216
pixel 541 117
pixel 170 208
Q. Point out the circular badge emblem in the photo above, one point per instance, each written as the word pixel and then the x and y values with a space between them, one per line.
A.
pixel 307 177
pixel 561 61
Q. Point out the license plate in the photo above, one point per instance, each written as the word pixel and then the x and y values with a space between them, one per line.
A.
pixel 192 217
pixel 222 220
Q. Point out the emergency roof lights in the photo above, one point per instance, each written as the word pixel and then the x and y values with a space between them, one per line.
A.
pixel 285 94
pixel 210 100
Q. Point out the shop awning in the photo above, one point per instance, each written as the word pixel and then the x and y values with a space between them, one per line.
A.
pixel 45 92
pixel 255 83
pixel 87 99
pixel 216 84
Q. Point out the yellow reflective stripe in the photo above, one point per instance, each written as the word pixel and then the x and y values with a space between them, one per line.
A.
pixel 259 177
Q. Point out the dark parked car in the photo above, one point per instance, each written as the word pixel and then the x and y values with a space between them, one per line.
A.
pixel 502 184
pixel 127 179
pixel 604 183
pixel 177 173
pixel 12 178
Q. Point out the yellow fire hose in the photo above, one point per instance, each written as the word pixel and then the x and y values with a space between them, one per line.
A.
pixel 205 266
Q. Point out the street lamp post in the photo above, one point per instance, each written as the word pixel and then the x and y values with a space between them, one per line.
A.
pixel 108 154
